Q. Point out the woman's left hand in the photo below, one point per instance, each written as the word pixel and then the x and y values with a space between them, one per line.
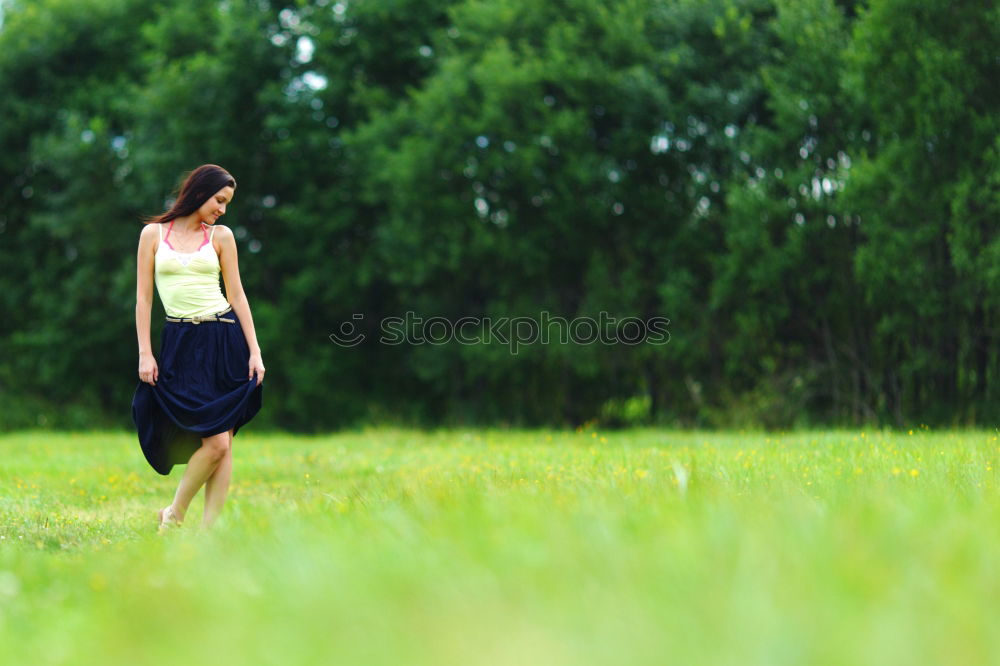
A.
pixel 256 366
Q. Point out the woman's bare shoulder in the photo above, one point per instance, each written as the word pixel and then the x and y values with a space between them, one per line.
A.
pixel 149 232
pixel 222 231
pixel 223 236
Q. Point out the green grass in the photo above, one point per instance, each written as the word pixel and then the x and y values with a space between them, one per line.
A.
pixel 489 547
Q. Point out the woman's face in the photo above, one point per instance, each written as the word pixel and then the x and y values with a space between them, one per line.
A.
pixel 215 207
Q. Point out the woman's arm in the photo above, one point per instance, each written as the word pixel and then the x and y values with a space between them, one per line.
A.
pixel 148 371
pixel 237 297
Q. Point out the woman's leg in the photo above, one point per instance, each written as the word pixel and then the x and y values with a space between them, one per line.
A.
pixel 218 485
pixel 203 462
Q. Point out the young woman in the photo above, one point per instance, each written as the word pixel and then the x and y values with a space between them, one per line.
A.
pixel 207 384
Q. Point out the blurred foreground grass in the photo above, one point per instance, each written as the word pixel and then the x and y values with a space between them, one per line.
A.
pixel 488 547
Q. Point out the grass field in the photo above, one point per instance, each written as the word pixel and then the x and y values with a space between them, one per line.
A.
pixel 492 547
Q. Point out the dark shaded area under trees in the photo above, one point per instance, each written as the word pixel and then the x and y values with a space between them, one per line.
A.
pixel 809 190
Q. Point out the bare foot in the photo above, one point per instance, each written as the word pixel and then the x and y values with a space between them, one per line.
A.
pixel 168 519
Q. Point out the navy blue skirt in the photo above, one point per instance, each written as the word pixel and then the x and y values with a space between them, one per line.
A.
pixel 202 389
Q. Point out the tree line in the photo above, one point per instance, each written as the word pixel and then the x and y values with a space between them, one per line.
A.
pixel 807 190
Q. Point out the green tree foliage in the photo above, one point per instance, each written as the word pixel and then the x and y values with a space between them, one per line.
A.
pixel 925 191
pixel 804 188
pixel 784 280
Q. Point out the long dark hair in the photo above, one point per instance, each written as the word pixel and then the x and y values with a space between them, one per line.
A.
pixel 199 185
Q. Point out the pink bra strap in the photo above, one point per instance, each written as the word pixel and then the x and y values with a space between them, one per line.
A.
pixel 166 239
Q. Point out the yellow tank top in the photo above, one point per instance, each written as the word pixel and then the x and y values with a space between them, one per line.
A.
pixel 188 282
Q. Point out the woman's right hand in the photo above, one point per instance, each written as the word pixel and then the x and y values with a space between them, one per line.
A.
pixel 148 371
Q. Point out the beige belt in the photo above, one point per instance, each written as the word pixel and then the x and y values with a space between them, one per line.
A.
pixel 198 320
